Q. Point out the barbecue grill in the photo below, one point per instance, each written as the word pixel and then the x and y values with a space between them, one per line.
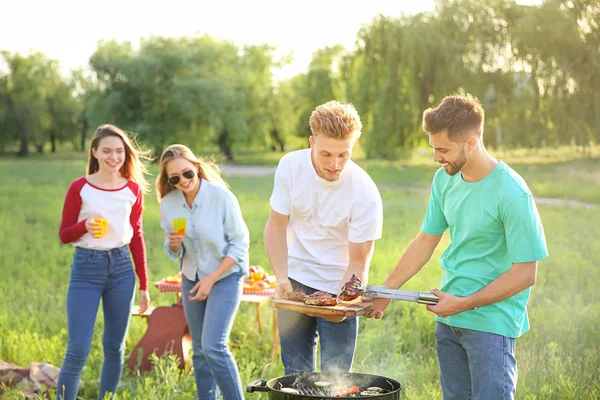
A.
pixel 327 385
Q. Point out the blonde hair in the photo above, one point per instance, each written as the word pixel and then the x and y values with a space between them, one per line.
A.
pixel 206 169
pixel 335 120
pixel 133 168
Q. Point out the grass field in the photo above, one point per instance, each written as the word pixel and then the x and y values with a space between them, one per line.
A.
pixel 558 359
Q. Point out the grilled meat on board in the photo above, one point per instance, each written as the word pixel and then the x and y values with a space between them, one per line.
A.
pixel 351 289
pixel 316 299
pixel 297 295
pixel 321 299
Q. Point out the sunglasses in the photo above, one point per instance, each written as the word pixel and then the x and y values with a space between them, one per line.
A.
pixel 189 174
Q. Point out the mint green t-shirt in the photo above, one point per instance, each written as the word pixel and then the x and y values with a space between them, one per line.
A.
pixel 493 223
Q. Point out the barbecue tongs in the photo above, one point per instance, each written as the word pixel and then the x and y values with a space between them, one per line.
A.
pixel 406 295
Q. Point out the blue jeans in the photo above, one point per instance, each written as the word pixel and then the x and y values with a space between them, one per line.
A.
pixel 210 322
pixel 95 275
pixel 476 365
pixel 298 333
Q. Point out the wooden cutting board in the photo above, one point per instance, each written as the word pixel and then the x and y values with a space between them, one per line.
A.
pixel 343 309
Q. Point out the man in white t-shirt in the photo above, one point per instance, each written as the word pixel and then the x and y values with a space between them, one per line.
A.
pixel 326 213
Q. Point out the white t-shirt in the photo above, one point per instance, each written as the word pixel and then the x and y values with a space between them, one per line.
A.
pixel 324 217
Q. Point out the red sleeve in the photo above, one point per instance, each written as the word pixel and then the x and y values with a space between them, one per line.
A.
pixel 137 244
pixel 70 230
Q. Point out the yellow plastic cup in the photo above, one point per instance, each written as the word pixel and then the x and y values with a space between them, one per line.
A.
pixel 103 225
pixel 179 225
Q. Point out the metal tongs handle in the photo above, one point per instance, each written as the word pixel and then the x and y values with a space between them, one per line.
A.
pixel 427 298
pixel 418 297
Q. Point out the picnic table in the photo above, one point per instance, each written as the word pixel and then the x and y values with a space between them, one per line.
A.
pixel 257 297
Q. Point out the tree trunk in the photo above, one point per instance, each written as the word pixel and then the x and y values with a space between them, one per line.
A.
pixel 53 141
pixel 277 138
pixel 23 146
pixel 39 147
pixel 498 135
pixel 52 130
pixel 84 128
pixel 156 153
pixel 224 144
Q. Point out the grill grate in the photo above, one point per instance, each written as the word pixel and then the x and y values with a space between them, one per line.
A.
pixel 306 387
pixel 314 391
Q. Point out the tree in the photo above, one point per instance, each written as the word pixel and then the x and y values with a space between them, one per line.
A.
pixel 28 91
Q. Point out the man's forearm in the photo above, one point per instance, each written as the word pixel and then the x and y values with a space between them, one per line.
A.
pixel 277 251
pixel 518 278
pixel 415 257
pixel 359 255
pixel 361 269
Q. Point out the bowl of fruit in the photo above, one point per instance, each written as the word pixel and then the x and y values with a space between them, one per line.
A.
pixel 171 283
pixel 258 280
pixel 173 279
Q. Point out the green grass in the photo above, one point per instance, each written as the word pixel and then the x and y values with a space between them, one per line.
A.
pixel 558 359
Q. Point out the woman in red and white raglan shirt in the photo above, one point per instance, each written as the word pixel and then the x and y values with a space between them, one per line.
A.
pixel 111 191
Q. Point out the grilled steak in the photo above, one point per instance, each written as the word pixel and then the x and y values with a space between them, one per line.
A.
pixel 350 290
pixel 297 295
pixel 321 299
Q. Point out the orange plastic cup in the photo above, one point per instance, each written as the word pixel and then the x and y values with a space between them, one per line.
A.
pixel 103 225
pixel 179 225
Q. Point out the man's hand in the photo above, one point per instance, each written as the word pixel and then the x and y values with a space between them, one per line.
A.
pixel 379 305
pixel 282 289
pixel 448 304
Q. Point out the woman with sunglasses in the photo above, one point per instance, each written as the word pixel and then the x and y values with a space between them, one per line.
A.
pixel 213 256
pixel 102 218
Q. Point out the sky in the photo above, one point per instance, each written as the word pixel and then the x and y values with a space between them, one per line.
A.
pixel 68 30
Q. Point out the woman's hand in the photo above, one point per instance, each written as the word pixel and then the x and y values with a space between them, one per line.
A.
pixel 201 289
pixel 175 242
pixel 95 228
pixel 144 301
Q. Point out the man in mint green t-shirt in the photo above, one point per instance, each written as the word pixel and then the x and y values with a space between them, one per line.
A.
pixel 496 240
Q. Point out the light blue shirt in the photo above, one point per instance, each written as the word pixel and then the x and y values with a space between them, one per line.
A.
pixel 215 229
